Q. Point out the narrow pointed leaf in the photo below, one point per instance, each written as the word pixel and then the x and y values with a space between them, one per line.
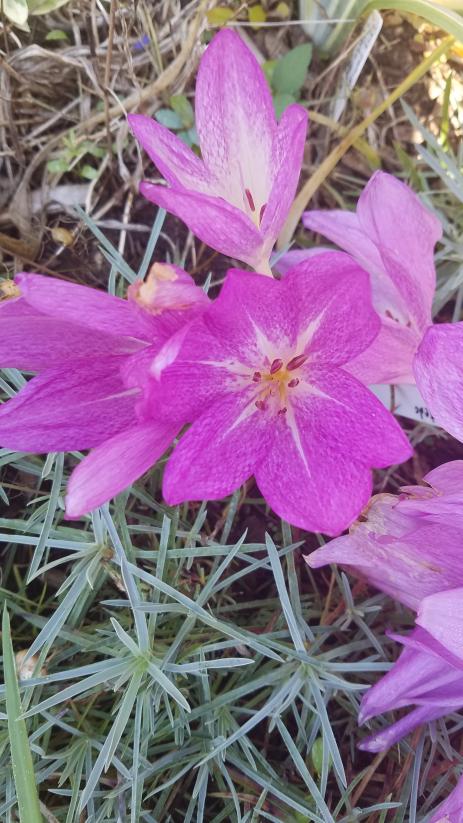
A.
pixel 21 757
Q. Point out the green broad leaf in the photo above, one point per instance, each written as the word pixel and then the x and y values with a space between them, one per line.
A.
pixel 182 106
pixel 16 11
pixel 290 72
pixel 219 16
pixel 256 14
pixel 56 34
pixel 193 136
pixel 283 10
pixel 185 136
pixel 281 102
pixel 316 755
pixel 168 118
pixel 434 12
pixel 58 166
pixel 21 757
pixel 268 68
pixel 91 148
pixel 88 172
pixel 45 6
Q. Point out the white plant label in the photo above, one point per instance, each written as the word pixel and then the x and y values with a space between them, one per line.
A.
pixel 404 400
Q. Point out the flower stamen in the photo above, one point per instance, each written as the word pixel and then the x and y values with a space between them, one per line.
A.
pixel 276 366
pixel 297 361
pixel 250 199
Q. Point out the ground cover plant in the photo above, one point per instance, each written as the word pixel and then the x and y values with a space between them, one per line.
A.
pixel 189 348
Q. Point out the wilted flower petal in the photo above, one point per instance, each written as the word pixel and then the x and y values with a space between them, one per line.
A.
pixel 397 544
pixel 420 678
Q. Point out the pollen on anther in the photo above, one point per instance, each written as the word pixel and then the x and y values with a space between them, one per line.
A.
pixel 250 199
pixel 293 383
pixel 297 361
pixel 256 377
pixel 259 404
pixel 283 410
pixel 276 366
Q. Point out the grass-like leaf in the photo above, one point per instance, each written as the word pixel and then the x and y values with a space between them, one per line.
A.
pixel 21 757
pixel 433 12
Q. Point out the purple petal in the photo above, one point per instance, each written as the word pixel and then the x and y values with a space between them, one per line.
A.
pixel 343 550
pixel 399 258
pixel 82 305
pixel 223 347
pixel 249 311
pixel 37 342
pixel 325 445
pixel 439 375
pixel 386 738
pixel 219 452
pixel 419 676
pixel 331 295
pixel 287 156
pixel 235 120
pixel 292 258
pixel 115 465
pixel 343 416
pixel 196 378
pixel 389 359
pixel 64 409
pixel 343 228
pixel 441 614
pixel 176 162
pixel 448 478
pixel 408 567
pixel 16 307
pixel 309 489
pixel 217 223
pixel 451 810
pixel 423 642
pixel 406 232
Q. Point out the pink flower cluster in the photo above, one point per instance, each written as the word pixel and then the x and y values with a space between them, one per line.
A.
pixel 271 378
pixel 411 547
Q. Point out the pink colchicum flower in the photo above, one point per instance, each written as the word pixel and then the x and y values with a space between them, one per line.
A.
pixel 237 197
pixel 261 378
pixel 441 615
pixel 438 369
pixel 442 496
pixel 93 354
pixel 391 235
pixel 397 545
pixel 422 678
pixel 451 810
